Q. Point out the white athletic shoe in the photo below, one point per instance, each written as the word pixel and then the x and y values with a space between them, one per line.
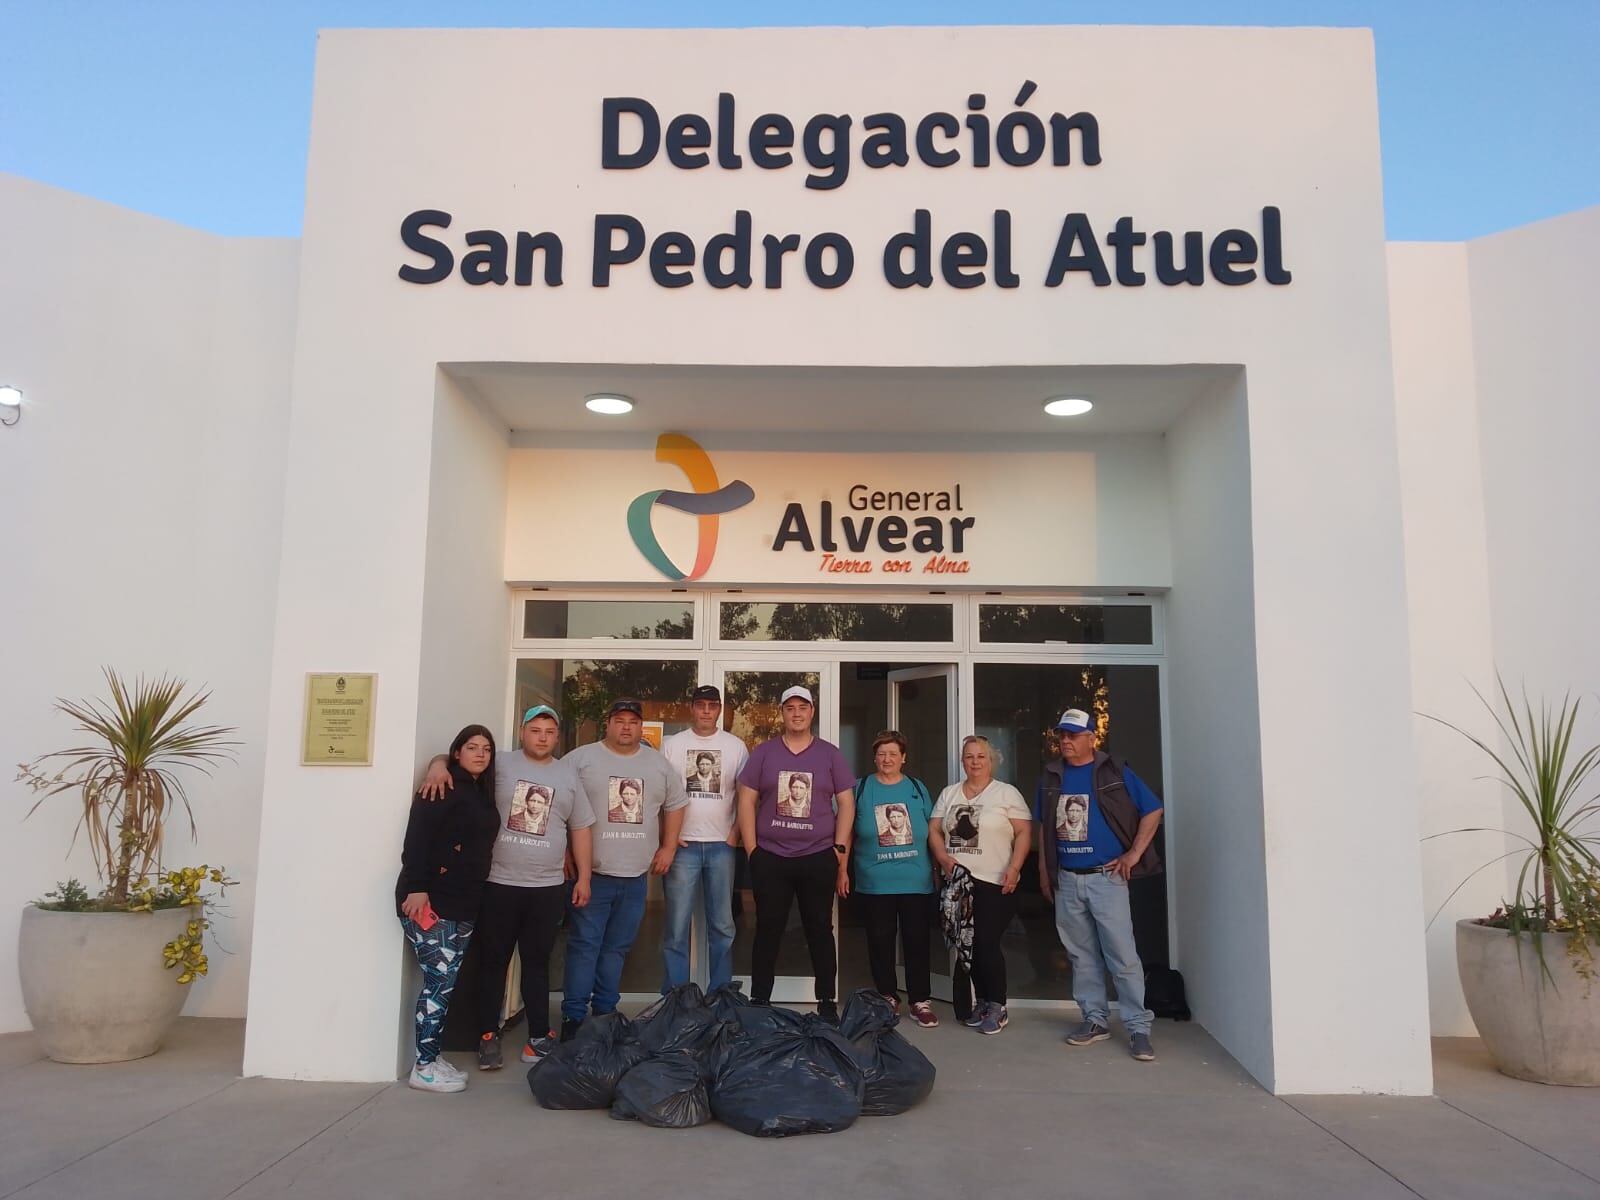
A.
pixel 437 1076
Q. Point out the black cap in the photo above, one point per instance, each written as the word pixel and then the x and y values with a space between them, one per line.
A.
pixel 628 706
pixel 706 692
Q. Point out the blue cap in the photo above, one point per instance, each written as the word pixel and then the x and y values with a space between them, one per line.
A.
pixel 541 710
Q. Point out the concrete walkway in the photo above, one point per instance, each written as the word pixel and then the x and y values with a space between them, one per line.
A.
pixel 1018 1115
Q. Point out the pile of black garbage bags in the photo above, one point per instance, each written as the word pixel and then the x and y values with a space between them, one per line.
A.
pixel 766 1071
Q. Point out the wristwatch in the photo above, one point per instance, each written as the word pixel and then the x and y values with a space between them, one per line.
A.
pixel 840 848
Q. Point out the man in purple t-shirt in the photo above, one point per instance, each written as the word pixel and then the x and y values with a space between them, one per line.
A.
pixel 796 811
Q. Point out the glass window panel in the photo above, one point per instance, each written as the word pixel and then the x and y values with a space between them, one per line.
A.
pixel 581 689
pixel 814 621
pixel 1017 706
pixel 1077 624
pixel 633 620
pixel 751 699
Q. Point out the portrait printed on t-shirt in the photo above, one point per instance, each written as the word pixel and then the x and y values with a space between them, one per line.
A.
pixel 702 775
pixel 794 793
pixel 894 824
pixel 1072 818
pixel 530 808
pixel 626 801
pixel 961 828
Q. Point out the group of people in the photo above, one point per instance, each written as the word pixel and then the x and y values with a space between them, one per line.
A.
pixel 499 849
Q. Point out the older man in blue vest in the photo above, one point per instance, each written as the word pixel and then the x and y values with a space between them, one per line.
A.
pixel 1096 822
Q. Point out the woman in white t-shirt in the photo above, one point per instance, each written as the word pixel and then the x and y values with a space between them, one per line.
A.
pixel 986 826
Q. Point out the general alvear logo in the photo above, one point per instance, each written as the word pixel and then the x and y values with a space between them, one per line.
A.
pixel 707 503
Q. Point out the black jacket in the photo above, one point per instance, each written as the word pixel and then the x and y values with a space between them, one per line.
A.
pixel 1116 806
pixel 448 846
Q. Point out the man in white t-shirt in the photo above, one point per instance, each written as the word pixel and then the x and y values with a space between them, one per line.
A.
pixel 708 759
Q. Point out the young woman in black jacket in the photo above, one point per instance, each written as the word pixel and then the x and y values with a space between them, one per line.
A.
pixel 442 868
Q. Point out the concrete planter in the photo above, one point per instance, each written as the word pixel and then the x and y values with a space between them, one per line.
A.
pixel 94 984
pixel 1531 1028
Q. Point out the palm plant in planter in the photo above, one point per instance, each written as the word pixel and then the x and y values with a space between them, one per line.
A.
pixel 1528 970
pixel 101 975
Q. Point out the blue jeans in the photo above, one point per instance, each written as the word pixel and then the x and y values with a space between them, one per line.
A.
pixel 1096 927
pixel 699 870
pixel 599 936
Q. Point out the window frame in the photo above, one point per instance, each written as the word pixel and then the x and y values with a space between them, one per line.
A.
pixel 696 600
pixel 1155 648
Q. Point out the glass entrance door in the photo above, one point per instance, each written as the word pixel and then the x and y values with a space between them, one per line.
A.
pixel 922 706
pixel 920 701
pixel 752 691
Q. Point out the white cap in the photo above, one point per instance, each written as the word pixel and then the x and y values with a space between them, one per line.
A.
pixel 1075 720
pixel 802 693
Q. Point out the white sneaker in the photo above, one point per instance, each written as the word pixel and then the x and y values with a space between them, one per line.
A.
pixel 437 1076
pixel 450 1068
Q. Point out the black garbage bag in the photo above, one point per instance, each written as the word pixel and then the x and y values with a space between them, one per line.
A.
pixel 789 1081
pixel 866 1008
pixel 584 1072
pixel 756 1020
pixel 712 1048
pixel 897 1076
pixel 680 1019
pixel 726 1000
pixel 667 1091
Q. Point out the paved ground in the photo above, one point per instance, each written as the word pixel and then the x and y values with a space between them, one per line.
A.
pixel 1017 1115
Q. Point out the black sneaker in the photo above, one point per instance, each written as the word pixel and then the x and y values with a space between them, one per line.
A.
pixel 828 1011
pixel 755 1003
pixel 489 1052
pixel 540 1047
pixel 1087 1034
pixel 569 1028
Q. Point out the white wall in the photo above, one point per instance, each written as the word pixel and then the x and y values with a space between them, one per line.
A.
pixel 407 120
pixel 142 490
pixel 1447 579
pixel 1215 820
pixel 465 605
pixel 1496 377
pixel 459 677
pixel 1538 388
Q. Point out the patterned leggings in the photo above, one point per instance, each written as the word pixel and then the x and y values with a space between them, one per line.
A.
pixel 439 952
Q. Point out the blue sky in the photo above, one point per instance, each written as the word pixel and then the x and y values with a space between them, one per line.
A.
pixel 199 111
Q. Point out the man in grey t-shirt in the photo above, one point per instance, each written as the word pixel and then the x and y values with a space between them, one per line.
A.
pixel 543 815
pixel 637 800
pixel 540 803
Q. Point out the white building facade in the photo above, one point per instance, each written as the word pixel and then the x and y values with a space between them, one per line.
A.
pixel 1327 482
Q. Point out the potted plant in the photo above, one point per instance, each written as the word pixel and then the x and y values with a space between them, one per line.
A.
pixel 1528 970
pixel 102 976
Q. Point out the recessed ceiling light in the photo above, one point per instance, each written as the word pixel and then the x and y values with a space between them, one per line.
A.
pixel 608 403
pixel 1067 406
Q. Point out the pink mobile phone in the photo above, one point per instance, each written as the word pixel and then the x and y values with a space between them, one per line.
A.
pixel 427 919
